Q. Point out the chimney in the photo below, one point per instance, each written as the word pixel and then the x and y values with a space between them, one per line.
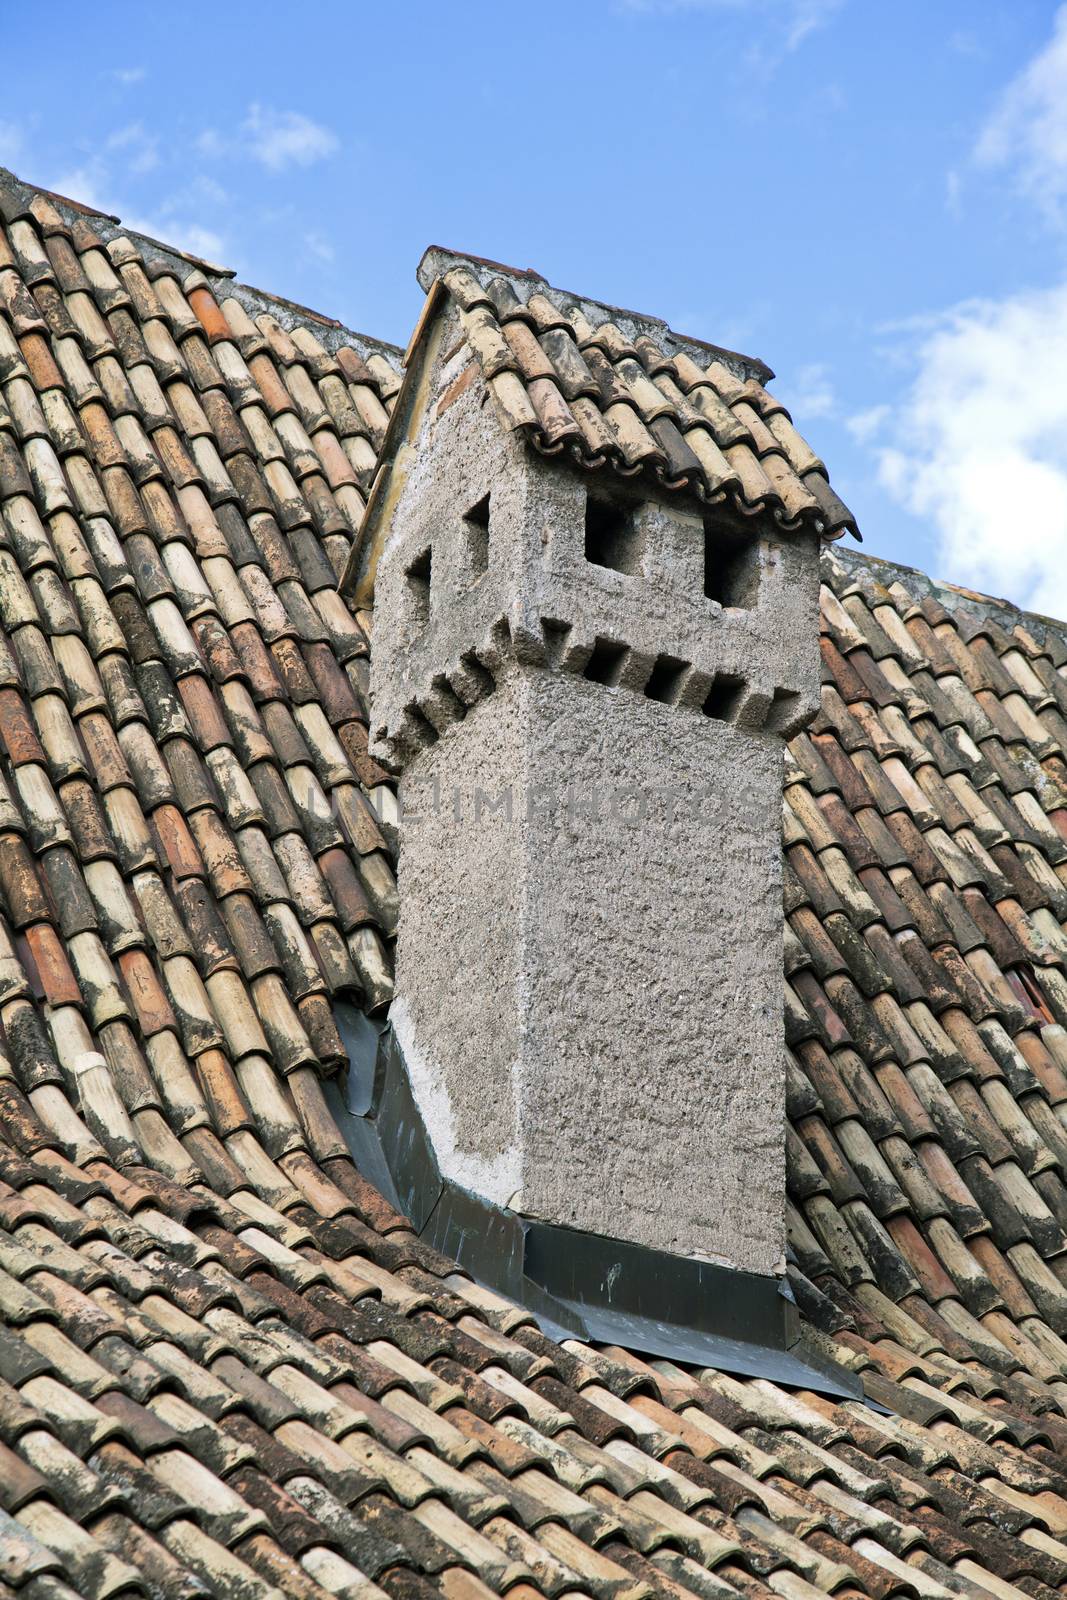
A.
pixel 595 581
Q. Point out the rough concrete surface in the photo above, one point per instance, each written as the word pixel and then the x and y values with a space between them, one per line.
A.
pixel 653 1098
pixel 459 947
pixel 426 660
pixel 589 964
pixel 589 950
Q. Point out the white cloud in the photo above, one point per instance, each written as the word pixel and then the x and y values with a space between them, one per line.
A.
pixel 128 76
pixel 317 245
pixel 807 16
pixel 964 42
pixel 280 139
pixel 199 194
pixel 10 143
pixel 140 149
pixel 795 18
pixel 865 424
pixel 204 242
pixel 276 139
pixel 180 232
pixel 86 184
pixel 1027 132
pixel 953 193
pixel 978 447
pixel 175 219
pixel 811 394
pixel 209 142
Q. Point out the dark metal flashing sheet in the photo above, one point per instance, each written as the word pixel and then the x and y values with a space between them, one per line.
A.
pixel 577 1285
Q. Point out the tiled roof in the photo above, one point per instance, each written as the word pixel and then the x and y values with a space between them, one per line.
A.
pixel 926 890
pixel 610 388
pixel 227 1367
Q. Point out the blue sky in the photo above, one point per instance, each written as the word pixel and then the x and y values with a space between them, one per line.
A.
pixel 871 197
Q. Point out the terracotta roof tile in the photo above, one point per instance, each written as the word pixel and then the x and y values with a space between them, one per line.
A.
pixel 612 389
pixel 227 1365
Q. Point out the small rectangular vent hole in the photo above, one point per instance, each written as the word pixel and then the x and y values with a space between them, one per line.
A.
pixel 724 697
pixel 418 580
pixel 420 726
pixel 731 566
pixel 606 662
pixel 555 637
pixel 783 714
pixel 665 681
pixel 612 538
pixel 476 524
pixel 448 707
pixel 479 677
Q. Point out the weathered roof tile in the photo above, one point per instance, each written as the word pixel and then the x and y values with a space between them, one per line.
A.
pixel 227 1365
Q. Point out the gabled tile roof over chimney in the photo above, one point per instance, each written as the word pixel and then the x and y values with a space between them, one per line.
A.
pixel 612 387
pixel 229 1367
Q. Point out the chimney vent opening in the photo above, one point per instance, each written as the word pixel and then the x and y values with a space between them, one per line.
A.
pixel 606 662
pixel 724 697
pixel 478 676
pixel 476 526
pixel 782 715
pixel 555 637
pixel 418 585
pixel 612 537
pixel 665 681
pixel 731 566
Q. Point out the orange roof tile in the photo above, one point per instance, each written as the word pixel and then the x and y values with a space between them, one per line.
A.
pixel 228 1366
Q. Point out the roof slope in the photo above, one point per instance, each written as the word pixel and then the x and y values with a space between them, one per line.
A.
pixel 227 1368
pixel 926 889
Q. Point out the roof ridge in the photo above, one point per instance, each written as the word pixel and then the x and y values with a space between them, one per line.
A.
pixel 991 608
pixel 222 279
pixel 438 259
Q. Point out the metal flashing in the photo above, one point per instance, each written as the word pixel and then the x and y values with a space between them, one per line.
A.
pixel 577 1285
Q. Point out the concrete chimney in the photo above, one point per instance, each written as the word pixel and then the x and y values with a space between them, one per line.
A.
pixel 584 670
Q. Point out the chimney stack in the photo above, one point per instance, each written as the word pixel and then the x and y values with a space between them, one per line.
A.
pixel 593 548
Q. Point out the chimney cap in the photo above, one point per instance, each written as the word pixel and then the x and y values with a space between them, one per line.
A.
pixel 438 260
pixel 609 390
